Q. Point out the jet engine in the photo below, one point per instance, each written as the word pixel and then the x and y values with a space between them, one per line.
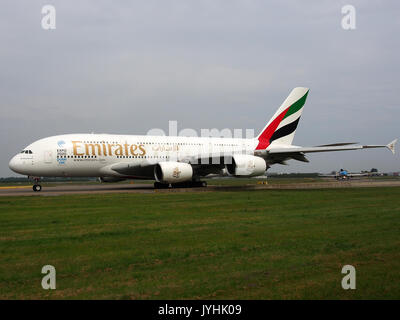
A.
pixel 111 179
pixel 246 165
pixel 173 172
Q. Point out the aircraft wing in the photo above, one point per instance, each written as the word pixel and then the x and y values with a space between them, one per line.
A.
pixel 390 146
pixel 207 163
pixel 328 148
pixel 280 154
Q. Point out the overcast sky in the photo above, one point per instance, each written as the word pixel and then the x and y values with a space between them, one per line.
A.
pixel 130 66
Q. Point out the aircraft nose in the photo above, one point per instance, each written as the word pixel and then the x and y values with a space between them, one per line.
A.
pixel 14 164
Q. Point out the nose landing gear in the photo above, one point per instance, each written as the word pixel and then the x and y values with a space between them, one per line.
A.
pixel 36 187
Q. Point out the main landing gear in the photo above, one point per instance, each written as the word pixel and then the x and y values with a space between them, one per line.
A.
pixel 159 185
pixel 186 184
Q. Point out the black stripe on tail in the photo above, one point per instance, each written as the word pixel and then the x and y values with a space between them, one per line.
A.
pixel 285 130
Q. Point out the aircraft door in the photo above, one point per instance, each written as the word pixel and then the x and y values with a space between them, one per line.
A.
pixel 48 157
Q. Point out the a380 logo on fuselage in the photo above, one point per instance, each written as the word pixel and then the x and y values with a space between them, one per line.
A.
pixel 107 149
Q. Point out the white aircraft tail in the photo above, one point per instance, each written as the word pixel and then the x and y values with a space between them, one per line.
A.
pixel 281 129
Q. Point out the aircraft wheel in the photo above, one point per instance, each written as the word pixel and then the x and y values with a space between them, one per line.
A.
pixel 37 188
pixel 180 185
pixel 159 185
pixel 198 184
pixel 189 184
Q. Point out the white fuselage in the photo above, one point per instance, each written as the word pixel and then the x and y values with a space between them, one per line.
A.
pixel 93 155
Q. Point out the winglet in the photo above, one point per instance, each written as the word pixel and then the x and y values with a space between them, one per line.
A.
pixel 391 145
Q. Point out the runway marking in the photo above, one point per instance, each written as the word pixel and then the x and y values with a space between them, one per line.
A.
pixel 15 187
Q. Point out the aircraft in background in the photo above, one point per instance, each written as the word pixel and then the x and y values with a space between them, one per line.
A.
pixel 172 161
pixel 345 175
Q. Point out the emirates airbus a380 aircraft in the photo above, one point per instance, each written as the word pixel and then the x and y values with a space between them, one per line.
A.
pixel 172 161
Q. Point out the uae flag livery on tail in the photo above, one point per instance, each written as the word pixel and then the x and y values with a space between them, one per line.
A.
pixel 281 128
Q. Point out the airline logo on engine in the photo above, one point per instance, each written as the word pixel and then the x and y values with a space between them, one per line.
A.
pixel 176 173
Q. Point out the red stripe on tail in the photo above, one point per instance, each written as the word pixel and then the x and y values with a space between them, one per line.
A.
pixel 263 139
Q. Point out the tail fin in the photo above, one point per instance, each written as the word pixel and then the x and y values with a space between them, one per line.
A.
pixel 282 126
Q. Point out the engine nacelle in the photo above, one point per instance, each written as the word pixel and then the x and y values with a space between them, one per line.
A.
pixel 172 172
pixel 247 166
pixel 110 179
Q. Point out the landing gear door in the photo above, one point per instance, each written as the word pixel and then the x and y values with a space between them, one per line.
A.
pixel 48 156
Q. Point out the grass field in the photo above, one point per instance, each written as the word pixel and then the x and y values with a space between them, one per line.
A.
pixel 269 244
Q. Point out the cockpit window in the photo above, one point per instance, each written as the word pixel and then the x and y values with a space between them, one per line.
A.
pixel 27 151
